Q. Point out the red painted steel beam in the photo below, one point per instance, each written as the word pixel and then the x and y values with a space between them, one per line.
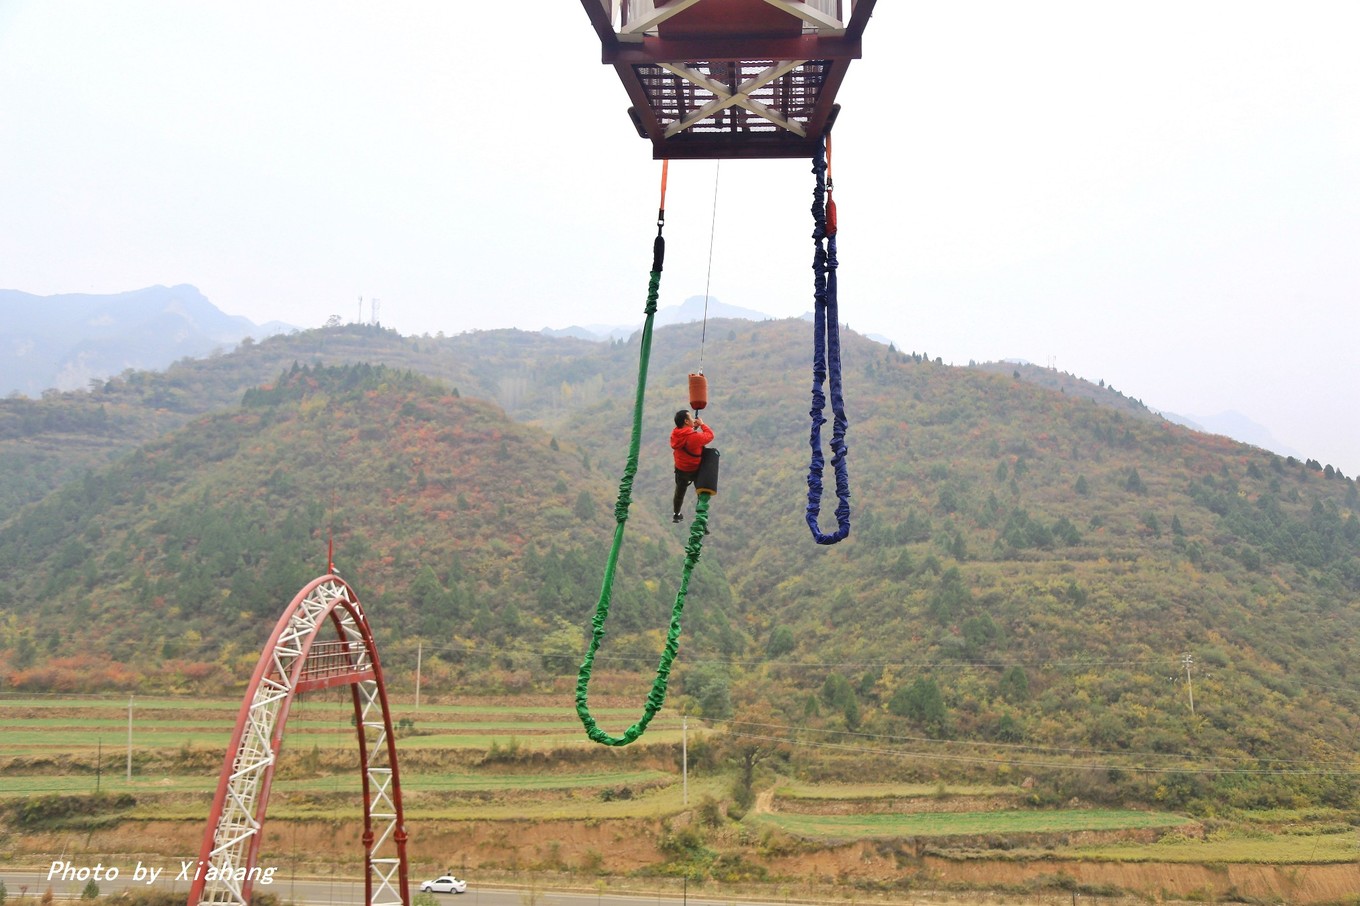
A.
pixel 663 50
pixel 728 146
pixel 599 18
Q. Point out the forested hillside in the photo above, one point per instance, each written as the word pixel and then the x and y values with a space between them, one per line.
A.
pixel 48 441
pixel 1032 576
pixel 465 528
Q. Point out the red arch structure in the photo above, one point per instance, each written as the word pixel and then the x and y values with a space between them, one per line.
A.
pixel 297 659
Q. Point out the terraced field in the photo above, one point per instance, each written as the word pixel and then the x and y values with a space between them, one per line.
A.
pixel 485 751
pixel 508 786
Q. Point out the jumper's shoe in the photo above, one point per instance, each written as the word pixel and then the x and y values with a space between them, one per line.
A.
pixel 677 518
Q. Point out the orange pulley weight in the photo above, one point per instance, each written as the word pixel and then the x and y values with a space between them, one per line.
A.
pixel 698 391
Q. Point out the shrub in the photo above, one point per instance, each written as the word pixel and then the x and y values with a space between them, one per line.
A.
pixel 46 811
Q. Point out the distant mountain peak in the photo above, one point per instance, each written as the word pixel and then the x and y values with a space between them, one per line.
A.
pixel 65 341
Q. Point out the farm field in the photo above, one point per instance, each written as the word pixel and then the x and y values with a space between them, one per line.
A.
pixel 457 760
pixel 504 783
pixel 43 726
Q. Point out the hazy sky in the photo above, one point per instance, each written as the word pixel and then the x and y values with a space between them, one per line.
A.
pixel 1162 195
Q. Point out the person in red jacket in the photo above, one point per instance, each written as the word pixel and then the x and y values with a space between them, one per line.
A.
pixel 688 440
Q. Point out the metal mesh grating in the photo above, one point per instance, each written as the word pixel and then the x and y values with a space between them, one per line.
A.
pixel 793 95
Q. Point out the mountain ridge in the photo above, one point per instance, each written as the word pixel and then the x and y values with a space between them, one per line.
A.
pixel 49 354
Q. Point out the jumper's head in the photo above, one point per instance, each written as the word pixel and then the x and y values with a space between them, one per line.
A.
pixel 681 418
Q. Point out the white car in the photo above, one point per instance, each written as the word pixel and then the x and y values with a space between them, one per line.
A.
pixel 445 884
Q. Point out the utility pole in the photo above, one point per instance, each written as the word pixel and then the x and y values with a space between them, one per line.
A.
pixel 684 759
pixel 419 648
pixel 1188 661
pixel 129 747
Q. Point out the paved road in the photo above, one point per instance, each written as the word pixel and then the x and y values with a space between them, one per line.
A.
pixel 345 892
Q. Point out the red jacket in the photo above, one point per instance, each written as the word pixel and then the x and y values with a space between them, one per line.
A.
pixel 688 444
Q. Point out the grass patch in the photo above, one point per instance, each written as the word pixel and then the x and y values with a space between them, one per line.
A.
pixel 850 791
pixel 1254 847
pixel 656 802
pixel 959 824
pixel 113 781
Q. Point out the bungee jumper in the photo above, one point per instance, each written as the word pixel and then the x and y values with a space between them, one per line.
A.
pixel 689 446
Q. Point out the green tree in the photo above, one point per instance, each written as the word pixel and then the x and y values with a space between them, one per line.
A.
pixel 838 693
pixel 1066 532
pixel 585 507
pixel 950 596
pixel 747 743
pixel 1008 729
pixel 562 647
pixel 781 642
pixel 978 632
pixel 922 703
pixel 1014 685
pixel 710 686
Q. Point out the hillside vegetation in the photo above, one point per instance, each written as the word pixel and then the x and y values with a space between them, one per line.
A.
pixel 1036 583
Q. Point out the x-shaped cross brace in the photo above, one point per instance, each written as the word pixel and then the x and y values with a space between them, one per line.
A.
pixel 723 97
